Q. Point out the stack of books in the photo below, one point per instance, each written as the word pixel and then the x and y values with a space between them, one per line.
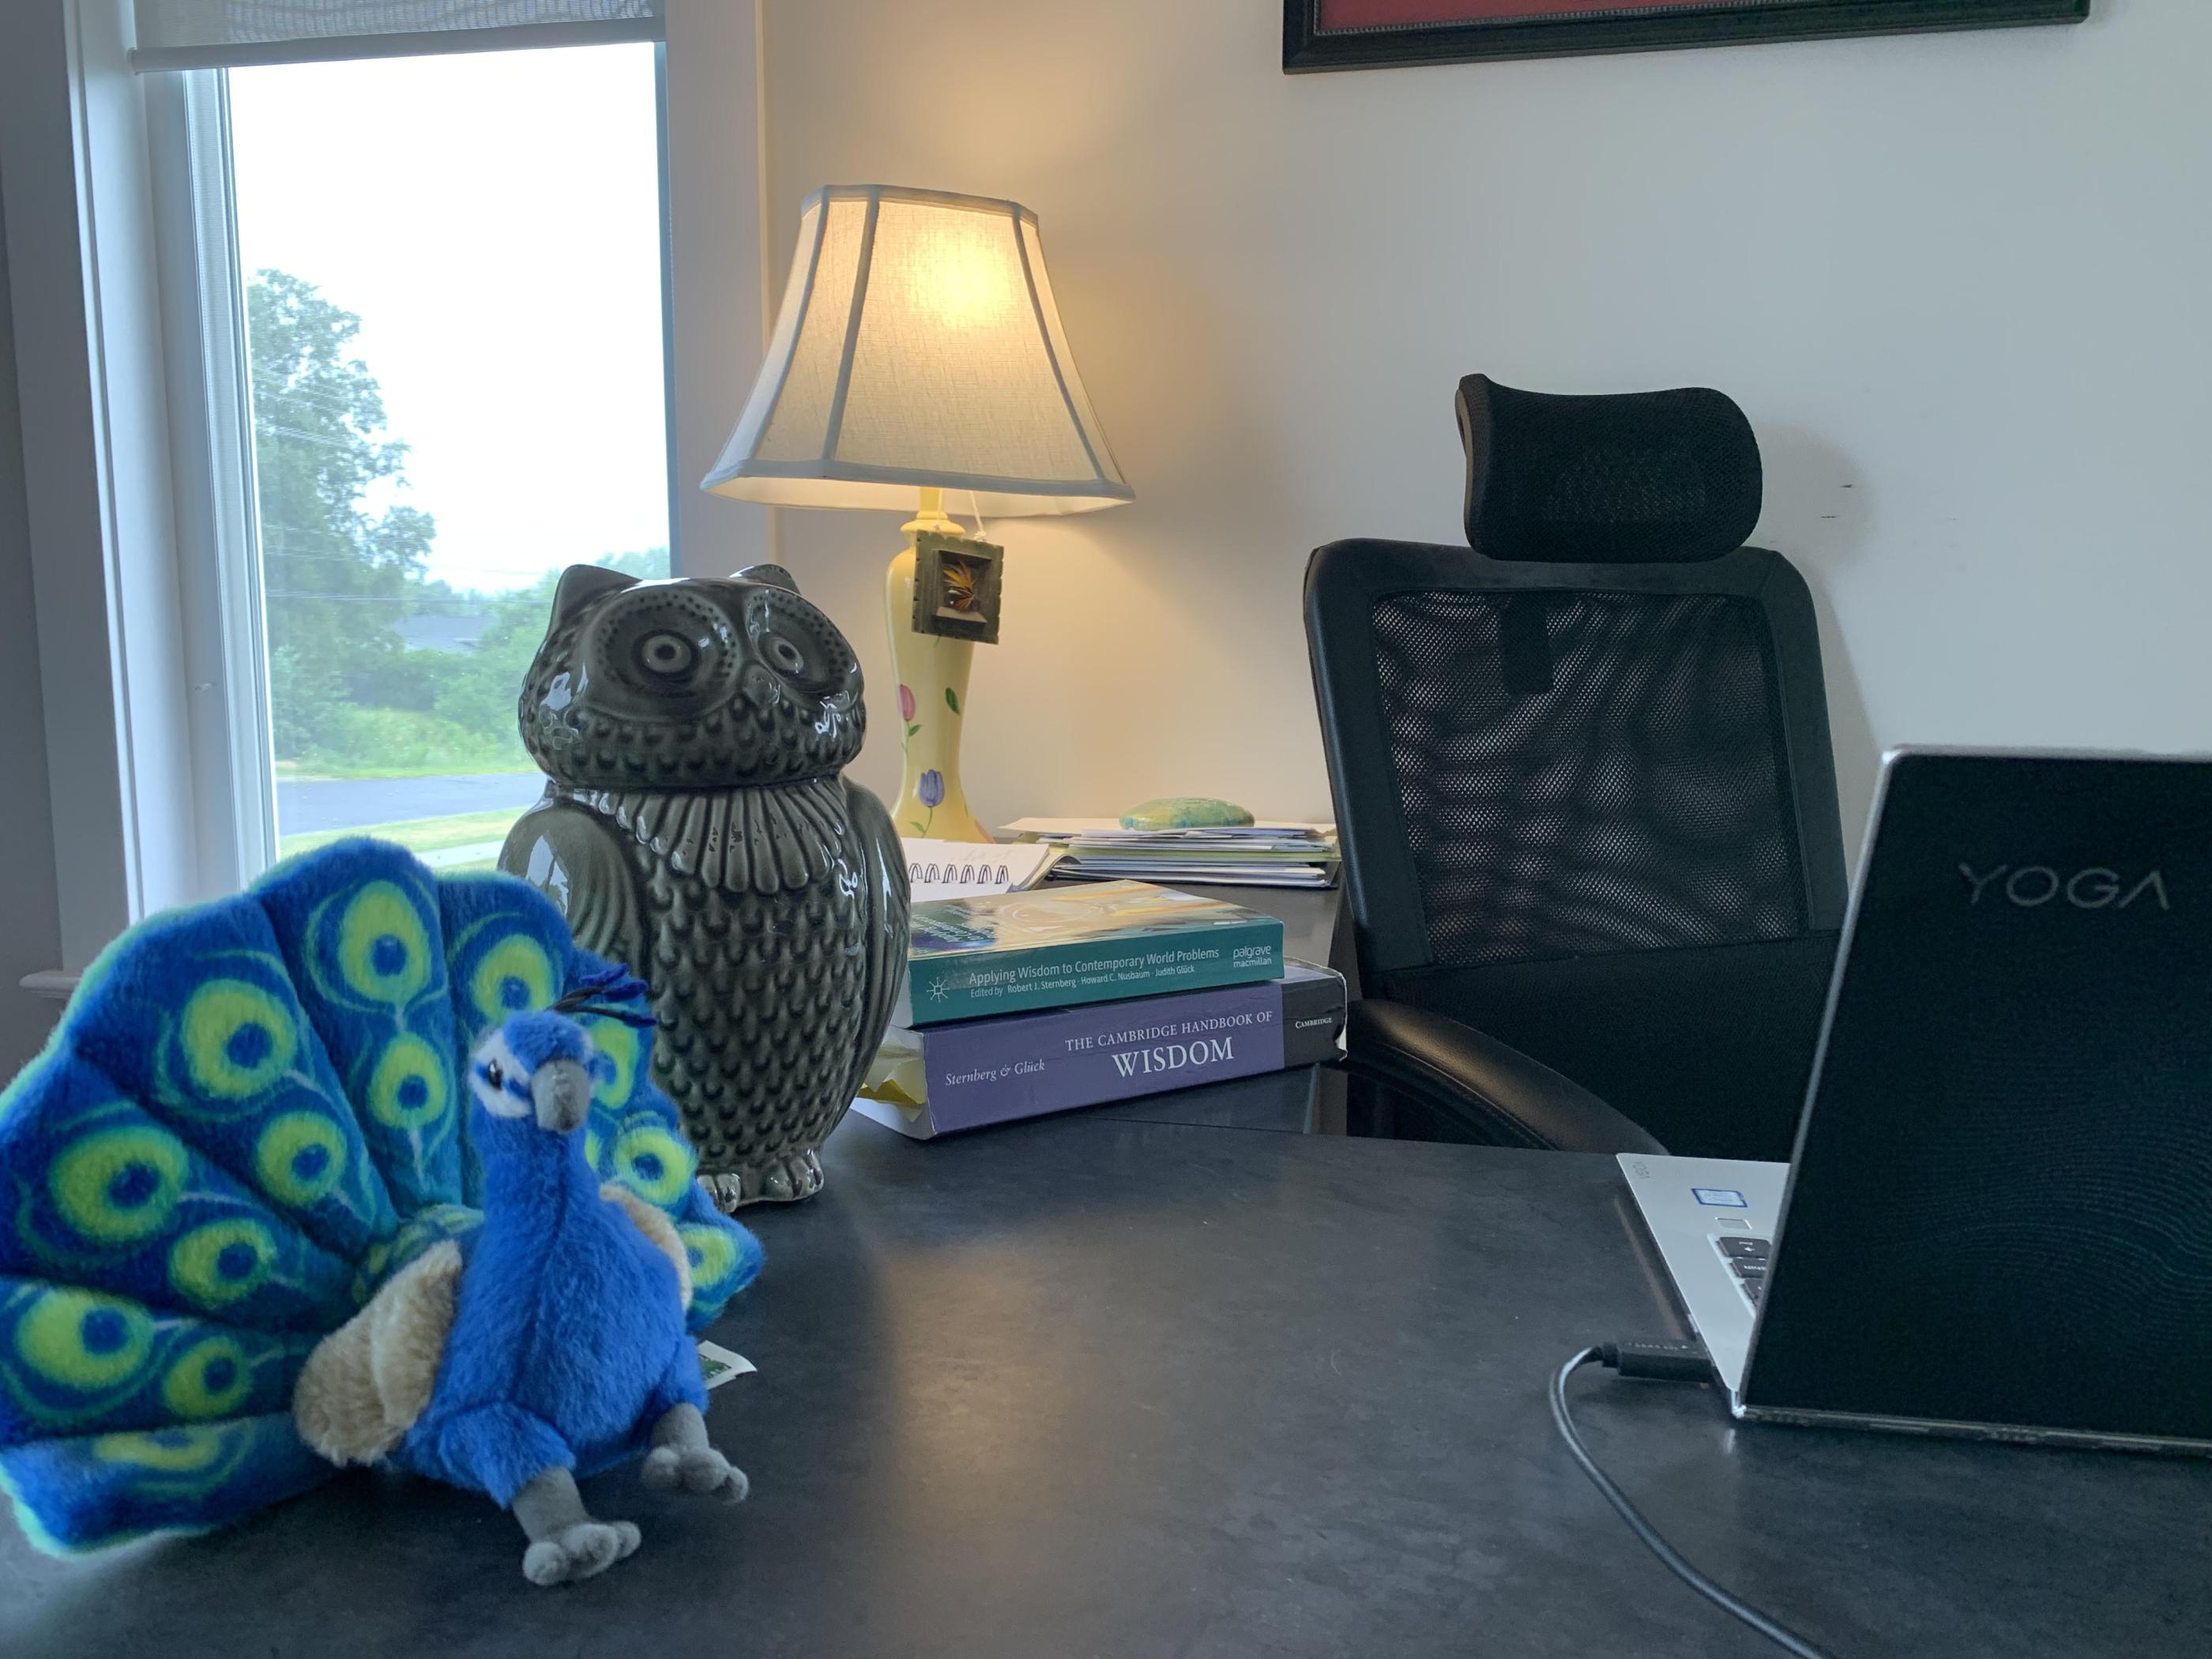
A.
pixel 1019 1004
pixel 1249 855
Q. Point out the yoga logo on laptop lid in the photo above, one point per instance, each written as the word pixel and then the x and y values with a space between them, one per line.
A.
pixel 2031 886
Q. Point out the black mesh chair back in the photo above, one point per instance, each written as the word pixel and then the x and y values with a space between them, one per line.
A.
pixel 1582 771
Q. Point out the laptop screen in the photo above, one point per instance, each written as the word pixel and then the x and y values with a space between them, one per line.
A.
pixel 2002 1208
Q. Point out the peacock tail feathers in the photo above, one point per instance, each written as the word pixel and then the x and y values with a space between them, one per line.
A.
pixel 252 1114
pixel 88 1493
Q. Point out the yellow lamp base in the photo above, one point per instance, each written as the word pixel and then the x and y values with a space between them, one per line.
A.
pixel 932 701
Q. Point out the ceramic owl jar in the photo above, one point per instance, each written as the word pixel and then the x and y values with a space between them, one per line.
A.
pixel 697 827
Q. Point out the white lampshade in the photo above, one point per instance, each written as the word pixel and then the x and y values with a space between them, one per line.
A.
pixel 918 345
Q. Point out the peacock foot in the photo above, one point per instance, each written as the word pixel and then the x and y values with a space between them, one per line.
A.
pixel 781 1180
pixel 695 1471
pixel 580 1551
pixel 565 1543
pixel 682 1461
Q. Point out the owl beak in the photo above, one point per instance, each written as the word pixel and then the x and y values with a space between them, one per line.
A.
pixel 562 1090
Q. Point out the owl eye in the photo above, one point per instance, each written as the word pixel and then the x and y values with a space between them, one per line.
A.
pixel 666 655
pixel 796 643
pixel 494 1075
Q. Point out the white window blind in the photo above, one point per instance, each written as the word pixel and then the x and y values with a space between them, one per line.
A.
pixel 179 34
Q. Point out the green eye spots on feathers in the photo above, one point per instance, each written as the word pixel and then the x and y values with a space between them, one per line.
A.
pixel 652 1161
pixel 514 975
pixel 223 1262
pixel 173 1451
pixel 713 1255
pixel 237 1039
pixel 121 1186
pixel 384 951
pixel 618 1045
pixel 300 1157
pixel 412 1085
pixel 212 1379
pixel 84 1340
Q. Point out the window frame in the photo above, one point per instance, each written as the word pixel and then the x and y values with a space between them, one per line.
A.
pixel 224 624
pixel 75 177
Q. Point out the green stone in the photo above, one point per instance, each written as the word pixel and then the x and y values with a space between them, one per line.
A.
pixel 1184 812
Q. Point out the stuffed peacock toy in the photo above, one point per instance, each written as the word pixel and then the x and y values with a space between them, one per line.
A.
pixel 363 1165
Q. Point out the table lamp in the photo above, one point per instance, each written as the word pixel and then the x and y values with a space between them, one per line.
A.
pixel 919 351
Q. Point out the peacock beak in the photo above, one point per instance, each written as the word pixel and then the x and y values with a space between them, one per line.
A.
pixel 562 1090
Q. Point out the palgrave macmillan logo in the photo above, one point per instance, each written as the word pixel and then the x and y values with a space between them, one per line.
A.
pixel 2031 886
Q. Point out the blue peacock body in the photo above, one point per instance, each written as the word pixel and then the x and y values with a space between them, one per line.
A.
pixel 254 1116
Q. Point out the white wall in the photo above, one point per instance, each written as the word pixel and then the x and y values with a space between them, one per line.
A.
pixel 1959 283
pixel 30 933
pixel 715 220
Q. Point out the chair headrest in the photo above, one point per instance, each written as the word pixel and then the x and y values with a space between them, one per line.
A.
pixel 1637 477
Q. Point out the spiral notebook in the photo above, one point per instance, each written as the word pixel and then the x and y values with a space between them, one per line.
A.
pixel 967 869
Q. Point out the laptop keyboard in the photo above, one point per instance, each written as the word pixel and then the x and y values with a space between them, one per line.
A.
pixel 1747 1260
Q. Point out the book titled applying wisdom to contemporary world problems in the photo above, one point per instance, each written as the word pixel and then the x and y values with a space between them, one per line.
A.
pixel 1001 953
pixel 941 1078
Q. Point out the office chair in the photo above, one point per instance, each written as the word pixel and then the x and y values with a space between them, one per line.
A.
pixel 1583 784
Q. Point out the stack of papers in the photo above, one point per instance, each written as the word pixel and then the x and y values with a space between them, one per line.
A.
pixel 1250 855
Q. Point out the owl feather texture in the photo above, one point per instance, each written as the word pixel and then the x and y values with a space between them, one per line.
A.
pixel 360 1166
pixel 697 827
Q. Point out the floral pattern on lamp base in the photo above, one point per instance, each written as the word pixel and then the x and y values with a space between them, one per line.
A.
pixel 932 691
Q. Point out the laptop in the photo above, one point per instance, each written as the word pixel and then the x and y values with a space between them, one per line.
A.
pixel 1997 1219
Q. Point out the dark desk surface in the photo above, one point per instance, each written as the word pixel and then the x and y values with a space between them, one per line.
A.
pixel 1091 1386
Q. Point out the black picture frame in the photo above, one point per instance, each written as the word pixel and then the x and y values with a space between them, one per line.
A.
pixel 1306 48
pixel 956 586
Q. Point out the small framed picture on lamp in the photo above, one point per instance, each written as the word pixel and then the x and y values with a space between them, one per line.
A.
pixel 956 587
pixel 919 351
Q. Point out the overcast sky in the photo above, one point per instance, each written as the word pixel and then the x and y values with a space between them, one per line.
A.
pixel 493 219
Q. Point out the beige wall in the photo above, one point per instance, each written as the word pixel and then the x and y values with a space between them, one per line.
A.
pixel 30 935
pixel 1958 281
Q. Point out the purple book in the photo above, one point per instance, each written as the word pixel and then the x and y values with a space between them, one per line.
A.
pixel 941 1078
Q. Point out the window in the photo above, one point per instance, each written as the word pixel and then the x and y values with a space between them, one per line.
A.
pixel 451 290
pixel 126 198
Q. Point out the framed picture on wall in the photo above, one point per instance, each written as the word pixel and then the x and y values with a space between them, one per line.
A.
pixel 1330 34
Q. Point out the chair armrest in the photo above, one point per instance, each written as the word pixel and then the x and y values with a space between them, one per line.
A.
pixel 1498 1092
